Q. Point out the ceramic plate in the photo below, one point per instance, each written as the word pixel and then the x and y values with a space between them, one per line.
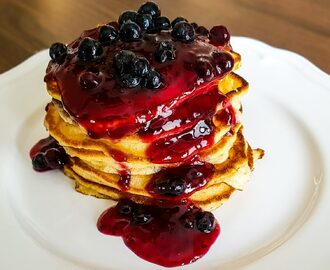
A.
pixel 280 221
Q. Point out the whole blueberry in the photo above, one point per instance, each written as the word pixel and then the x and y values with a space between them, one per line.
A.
pixel 130 31
pixel 224 62
pixel 127 16
pixel 178 19
pixel 150 8
pixel 205 222
pixel 39 162
pixel 203 69
pixel 184 32
pixel 55 158
pixel 58 52
pixel 201 30
pixel 144 21
pixel 219 35
pixel 129 80
pixel 162 23
pixel 170 185
pixel 124 207
pixel 152 79
pixel 141 216
pixel 107 34
pixel 141 66
pixel 89 49
pixel 165 51
pixel 195 25
pixel 122 61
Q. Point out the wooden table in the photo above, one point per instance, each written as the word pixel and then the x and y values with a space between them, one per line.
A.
pixel 302 26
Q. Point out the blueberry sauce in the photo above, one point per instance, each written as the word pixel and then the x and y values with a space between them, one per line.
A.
pixel 167 235
pixel 180 182
pixel 124 178
pixel 109 110
pixel 47 154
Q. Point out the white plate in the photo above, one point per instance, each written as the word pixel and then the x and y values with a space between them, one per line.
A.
pixel 281 220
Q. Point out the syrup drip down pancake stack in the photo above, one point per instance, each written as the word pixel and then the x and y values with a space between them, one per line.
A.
pixel 148 110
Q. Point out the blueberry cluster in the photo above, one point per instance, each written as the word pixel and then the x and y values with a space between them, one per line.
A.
pixel 203 221
pixel 52 158
pixel 134 71
pixel 170 185
pixel 138 214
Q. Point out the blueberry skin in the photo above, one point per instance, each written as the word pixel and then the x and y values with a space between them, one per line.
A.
pixel 122 61
pixel 152 80
pixel 55 158
pixel 127 16
pixel 150 8
pixel 162 23
pixel 141 66
pixel 89 49
pixel 183 32
pixel 130 31
pixel 58 52
pixel 107 34
pixel 39 162
pixel 178 19
pixel 205 222
pixel 124 207
pixel 129 80
pixel 144 21
pixel 140 216
pixel 165 51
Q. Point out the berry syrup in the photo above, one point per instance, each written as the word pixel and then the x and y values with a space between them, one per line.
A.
pixel 166 235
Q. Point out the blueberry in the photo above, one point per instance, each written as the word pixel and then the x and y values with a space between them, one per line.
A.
pixel 89 49
pixel 55 158
pixel 89 80
pixel 124 207
pixel 162 23
pixel 107 34
pixel 141 66
pixel 165 51
pixel 39 162
pixel 58 52
pixel 178 19
pixel 224 62
pixel 188 220
pixel 203 69
pixel 201 30
pixel 153 79
pixel 141 216
pixel 205 222
pixel 130 31
pixel 219 35
pixel 127 16
pixel 150 8
pixel 122 61
pixel 195 25
pixel 144 21
pixel 170 186
pixel 184 32
pixel 129 80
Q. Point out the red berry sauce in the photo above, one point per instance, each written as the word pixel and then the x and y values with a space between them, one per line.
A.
pixel 170 237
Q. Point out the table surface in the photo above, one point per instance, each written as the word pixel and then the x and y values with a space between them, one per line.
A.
pixel 302 26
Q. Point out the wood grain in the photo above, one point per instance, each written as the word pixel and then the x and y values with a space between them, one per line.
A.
pixel 302 26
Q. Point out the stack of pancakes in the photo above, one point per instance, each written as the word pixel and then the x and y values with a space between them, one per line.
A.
pixel 96 172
